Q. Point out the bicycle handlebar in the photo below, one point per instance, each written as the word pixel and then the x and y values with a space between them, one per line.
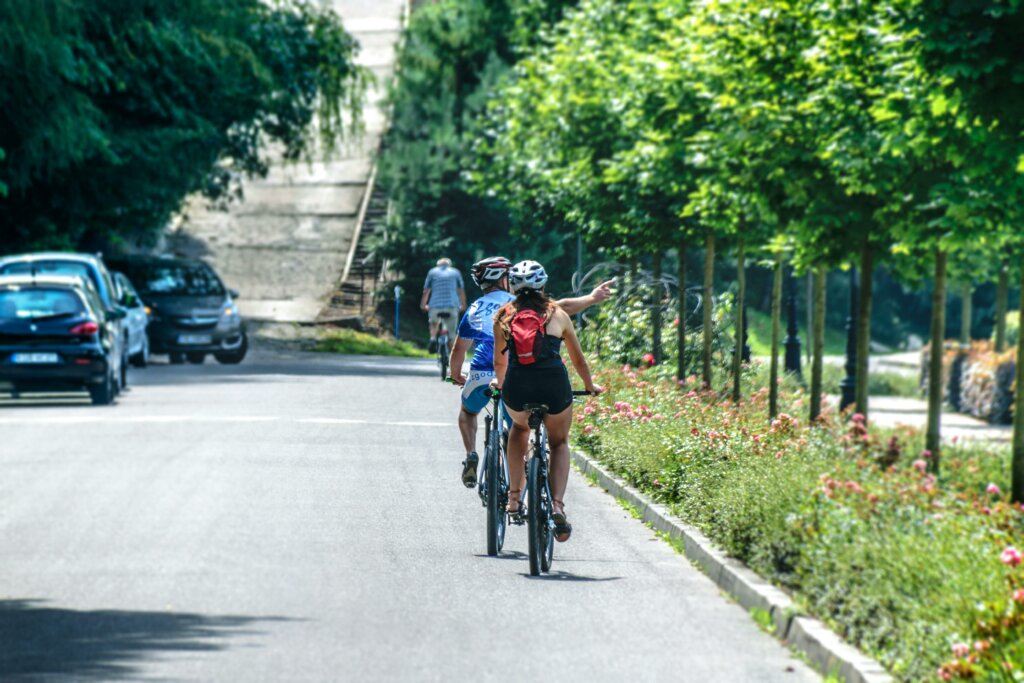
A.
pixel 583 393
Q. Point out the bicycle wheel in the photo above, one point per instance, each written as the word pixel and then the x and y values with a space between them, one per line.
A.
pixel 495 513
pixel 536 518
pixel 442 355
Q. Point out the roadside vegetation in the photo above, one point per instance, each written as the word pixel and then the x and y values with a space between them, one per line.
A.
pixel 922 571
pixel 362 343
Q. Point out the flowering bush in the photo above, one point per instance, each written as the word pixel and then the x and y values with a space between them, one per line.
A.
pixel 850 519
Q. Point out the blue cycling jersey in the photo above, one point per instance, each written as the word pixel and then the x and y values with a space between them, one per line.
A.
pixel 478 325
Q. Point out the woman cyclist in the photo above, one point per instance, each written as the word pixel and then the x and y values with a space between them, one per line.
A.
pixel 529 369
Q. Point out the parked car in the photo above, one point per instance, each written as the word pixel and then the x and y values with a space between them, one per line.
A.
pixel 191 313
pixel 56 334
pixel 137 320
pixel 86 266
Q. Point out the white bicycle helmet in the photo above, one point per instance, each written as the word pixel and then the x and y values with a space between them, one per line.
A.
pixel 527 275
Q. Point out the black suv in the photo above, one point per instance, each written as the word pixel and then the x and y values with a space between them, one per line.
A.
pixel 191 313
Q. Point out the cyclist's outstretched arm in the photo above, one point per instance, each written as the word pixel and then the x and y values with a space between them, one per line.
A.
pixel 456 359
pixel 575 351
pixel 500 355
pixel 578 304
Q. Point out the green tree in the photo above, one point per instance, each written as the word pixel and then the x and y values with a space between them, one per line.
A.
pixel 112 112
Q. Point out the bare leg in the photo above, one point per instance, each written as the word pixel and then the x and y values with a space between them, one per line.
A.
pixel 518 443
pixel 558 445
pixel 467 427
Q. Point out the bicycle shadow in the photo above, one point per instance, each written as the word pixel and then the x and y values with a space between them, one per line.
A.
pixel 563 576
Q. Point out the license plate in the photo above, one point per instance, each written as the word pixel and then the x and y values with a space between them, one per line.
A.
pixel 35 358
pixel 194 339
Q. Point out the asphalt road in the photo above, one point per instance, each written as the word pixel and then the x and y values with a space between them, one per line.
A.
pixel 300 518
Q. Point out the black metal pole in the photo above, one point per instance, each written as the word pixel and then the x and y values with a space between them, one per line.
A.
pixel 792 342
pixel 849 383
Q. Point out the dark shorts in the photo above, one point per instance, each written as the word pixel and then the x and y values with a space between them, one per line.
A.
pixel 549 385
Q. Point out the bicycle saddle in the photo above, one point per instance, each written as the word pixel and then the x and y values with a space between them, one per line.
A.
pixel 444 314
pixel 536 408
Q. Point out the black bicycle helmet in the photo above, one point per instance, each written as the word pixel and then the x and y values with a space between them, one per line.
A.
pixel 490 270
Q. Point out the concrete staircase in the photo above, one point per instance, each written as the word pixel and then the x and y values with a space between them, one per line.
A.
pixel 297 233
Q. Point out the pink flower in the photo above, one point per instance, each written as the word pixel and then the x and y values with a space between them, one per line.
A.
pixel 589 429
pixel 1011 557
pixel 986 510
pixel 993 490
pixel 982 645
pixel 648 358
pixel 1018 595
pixel 589 410
pixel 920 465
pixel 858 418
pixel 945 675
pixel 961 649
pixel 926 454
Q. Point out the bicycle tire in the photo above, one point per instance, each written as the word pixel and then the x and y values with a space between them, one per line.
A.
pixel 535 522
pixel 442 355
pixel 495 515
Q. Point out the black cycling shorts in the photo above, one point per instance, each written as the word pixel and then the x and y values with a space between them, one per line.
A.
pixel 547 385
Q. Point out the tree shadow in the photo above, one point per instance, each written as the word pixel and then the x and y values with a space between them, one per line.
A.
pixel 38 642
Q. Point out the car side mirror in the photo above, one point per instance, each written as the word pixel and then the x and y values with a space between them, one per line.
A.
pixel 129 301
pixel 117 314
pixel 234 293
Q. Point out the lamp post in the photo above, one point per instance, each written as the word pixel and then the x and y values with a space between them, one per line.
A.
pixel 792 342
pixel 849 383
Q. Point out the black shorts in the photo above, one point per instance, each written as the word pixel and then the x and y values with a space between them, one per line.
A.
pixel 548 385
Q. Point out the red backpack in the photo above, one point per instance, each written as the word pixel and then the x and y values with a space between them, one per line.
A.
pixel 526 337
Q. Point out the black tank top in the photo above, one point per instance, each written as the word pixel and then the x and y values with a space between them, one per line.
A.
pixel 554 344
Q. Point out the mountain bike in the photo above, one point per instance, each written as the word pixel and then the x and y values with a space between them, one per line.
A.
pixel 539 513
pixel 493 483
pixel 442 344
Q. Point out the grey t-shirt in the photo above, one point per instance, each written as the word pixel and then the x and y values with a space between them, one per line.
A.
pixel 444 283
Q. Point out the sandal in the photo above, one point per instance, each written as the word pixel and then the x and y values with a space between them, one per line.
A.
pixel 517 516
pixel 469 470
pixel 562 530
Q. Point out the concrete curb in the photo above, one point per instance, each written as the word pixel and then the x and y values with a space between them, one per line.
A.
pixel 825 650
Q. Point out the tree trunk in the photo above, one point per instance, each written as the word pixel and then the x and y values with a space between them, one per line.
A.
pixel 741 295
pixel 656 297
pixel 867 267
pixel 709 291
pixel 773 375
pixel 933 438
pixel 818 340
pixel 1002 303
pixel 1017 481
pixel 681 329
pixel 966 313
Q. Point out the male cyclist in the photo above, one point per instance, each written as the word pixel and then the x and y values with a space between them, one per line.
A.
pixel 477 326
pixel 444 297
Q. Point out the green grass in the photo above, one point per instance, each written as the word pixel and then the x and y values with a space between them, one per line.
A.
pixel 360 343
pixel 759 336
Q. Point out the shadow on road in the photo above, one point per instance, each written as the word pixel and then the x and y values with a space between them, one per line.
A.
pixel 559 575
pixel 40 642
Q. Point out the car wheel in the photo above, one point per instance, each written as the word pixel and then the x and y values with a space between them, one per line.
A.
pixel 176 358
pixel 123 384
pixel 196 357
pixel 141 359
pixel 103 394
pixel 235 356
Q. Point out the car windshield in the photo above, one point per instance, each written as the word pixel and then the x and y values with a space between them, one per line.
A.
pixel 177 279
pixel 47 268
pixel 38 303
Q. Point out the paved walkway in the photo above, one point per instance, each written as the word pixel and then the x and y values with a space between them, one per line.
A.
pixel 285 245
